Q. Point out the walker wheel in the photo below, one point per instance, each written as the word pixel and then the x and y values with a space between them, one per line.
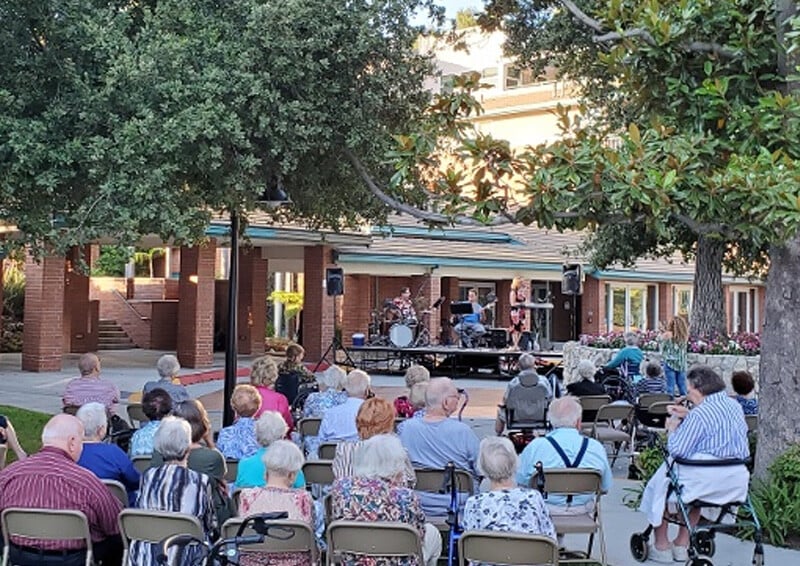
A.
pixel 699 561
pixel 639 547
pixel 704 543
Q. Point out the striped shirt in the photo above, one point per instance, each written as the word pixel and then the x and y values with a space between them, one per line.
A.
pixel 716 427
pixel 91 389
pixel 50 479
pixel 674 354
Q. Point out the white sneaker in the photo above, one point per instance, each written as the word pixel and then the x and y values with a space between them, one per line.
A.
pixel 662 556
pixel 680 553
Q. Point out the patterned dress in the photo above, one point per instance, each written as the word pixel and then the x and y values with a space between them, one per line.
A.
pixel 509 510
pixel 299 505
pixel 238 440
pixel 302 371
pixel 343 463
pixel 372 499
pixel 174 488
pixel 316 405
pixel 142 439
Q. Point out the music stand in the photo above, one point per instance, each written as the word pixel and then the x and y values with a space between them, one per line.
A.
pixel 460 308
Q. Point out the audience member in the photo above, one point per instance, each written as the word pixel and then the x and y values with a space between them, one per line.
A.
pixel 414 374
pixel 171 486
pixel 52 479
pixel 90 386
pixel 269 428
pixel 745 388
pixel 653 381
pixel 531 391
pixel 416 396
pixel 330 394
pixel 239 440
pixel 628 359
pixel 294 363
pixel 674 343
pixel 263 375
pixel 586 385
pixel 8 436
pixel 376 492
pixel 283 462
pixel 168 368
pixel 339 423
pixel 565 447
pixel 156 404
pixel 106 461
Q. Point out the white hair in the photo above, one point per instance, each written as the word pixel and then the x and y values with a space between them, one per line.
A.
pixel 438 389
pixel 168 366
pixel 357 383
pixel 94 419
pixel 381 456
pixel 270 427
pixel 497 459
pixel 332 378
pixel 564 412
pixel 283 458
pixel 526 361
pixel 586 369
pixel 173 438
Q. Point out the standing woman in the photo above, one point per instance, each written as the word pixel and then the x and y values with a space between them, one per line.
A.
pixel 674 341
pixel 517 298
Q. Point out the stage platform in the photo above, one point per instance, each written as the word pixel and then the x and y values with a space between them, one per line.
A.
pixel 450 361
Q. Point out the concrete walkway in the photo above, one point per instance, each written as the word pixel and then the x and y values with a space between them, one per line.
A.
pixel 130 369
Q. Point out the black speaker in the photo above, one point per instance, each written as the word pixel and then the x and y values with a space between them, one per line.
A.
pixel 499 338
pixel 571 279
pixel 334 281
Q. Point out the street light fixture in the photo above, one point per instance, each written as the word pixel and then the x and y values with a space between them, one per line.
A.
pixel 273 196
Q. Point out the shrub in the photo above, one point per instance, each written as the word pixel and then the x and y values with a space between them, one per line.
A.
pixel 13 292
pixel 647 463
pixel 777 499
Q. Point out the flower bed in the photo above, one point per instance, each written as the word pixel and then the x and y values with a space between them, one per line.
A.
pixel 741 344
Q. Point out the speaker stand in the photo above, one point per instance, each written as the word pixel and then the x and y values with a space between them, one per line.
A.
pixel 334 347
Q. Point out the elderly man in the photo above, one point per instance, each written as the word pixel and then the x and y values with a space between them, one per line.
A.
pixel 339 423
pixel 565 447
pixel 51 479
pixel 436 439
pixel 587 384
pixel 528 394
pixel 89 387
pixel 168 368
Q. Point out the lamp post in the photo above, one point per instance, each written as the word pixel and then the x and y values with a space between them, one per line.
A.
pixel 273 196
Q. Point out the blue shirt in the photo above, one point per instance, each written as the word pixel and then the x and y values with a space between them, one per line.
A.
pixel 630 358
pixel 339 423
pixel 252 473
pixel 716 427
pixel 570 441
pixel 142 439
pixel 176 391
pixel 109 462
pixel 238 440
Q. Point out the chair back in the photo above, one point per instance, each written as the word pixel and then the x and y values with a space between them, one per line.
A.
pixel 433 480
pixel 506 548
pixel 526 405
pixel 154 526
pixel 136 415
pixel 231 470
pixel 48 524
pixel 318 472
pixel 287 384
pixel 118 490
pixel 327 450
pixel 752 422
pixel 571 481
pixel 142 462
pixel 647 399
pixel 3 453
pixel 373 539
pixel 591 404
pixel 309 426
pixel 614 412
pixel 291 536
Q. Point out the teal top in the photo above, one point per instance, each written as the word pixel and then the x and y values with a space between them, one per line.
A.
pixel 252 473
pixel 674 354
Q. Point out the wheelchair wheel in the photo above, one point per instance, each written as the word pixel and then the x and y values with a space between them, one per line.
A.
pixel 639 547
pixel 699 561
pixel 704 543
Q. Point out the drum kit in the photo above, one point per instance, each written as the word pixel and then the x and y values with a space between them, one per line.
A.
pixel 390 328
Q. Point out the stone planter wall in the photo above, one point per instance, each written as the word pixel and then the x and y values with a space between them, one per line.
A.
pixel 723 365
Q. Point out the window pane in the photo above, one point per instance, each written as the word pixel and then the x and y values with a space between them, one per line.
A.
pixel 638 314
pixel 618 309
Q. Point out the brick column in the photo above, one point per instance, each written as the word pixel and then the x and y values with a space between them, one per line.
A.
pixel 449 287
pixel 592 307
pixel 431 289
pixel 80 316
pixel 43 336
pixel 196 306
pixel 356 306
pixel 317 305
pixel 252 311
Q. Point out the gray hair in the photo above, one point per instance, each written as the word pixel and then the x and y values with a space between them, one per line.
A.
pixel 416 374
pixel 438 389
pixel 705 380
pixel 168 366
pixel 87 363
pixel 94 418
pixel 586 369
pixel 270 427
pixel 497 459
pixel 357 383
pixel 381 456
pixel 564 412
pixel 416 396
pixel 332 378
pixel 283 458
pixel 173 438
pixel 631 338
pixel 526 361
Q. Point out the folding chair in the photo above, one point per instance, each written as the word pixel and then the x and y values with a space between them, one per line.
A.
pixel 3 453
pixel 591 404
pixel 309 426
pixel 45 524
pixel 752 423
pixel 432 481
pixel 570 482
pixel 154 526
pixel 605 430
pixel 118 490
pixel 291 536
pixel 318 472
pixel 327 450
pixel 136 415
pixel 506 548
pixel 231 469
pixel 526 408
pixel 372 539
pixel 142 462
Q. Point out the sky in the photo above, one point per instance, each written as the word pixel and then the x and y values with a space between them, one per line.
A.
pixel 453 6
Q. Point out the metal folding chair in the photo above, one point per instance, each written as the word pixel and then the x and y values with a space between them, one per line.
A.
pixel 46 524
pixel 513 549
pixel 373 539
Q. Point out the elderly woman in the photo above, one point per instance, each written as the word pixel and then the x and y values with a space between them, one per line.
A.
pixel 172 486
pixel 744 387
pixel 586 385
pixel 283 462
pixel 714 429
pixel 331 384
pixel 505 507
pixel 263 375
pixel 414 374
pixel 156 405
pixel 376 492
pixel 106 461
pixel 374 417
pixel 628 359
pixel 269 428
pixel 239 440
pixel 168 368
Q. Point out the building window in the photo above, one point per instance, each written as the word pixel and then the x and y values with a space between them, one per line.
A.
pixel 744 310
pixel 682 300
pixel 517 77
pixel 484 288
pixel 489 75
pixel 631 307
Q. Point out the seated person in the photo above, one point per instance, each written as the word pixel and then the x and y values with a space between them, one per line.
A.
pixel 239 440
pixel 414 374
pixel 745 388
pixel 404 304
pixel 330 394
pixel 168 368
pixel 270 427
pixel 90 386
pixel 376 492
pixel 529 392
pixel 505 507
pixel 587 384
pixel 628 359
pixel 470 329
pixel 653 381
pixel 106 461
pixel 9 436
pixel 172 486
pixel 156 404
pixel 565 447
pixel 714 429
pixel 339 423
pixel 293 376
pixel 263 376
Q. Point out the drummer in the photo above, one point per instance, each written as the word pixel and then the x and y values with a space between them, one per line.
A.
pixel 408 315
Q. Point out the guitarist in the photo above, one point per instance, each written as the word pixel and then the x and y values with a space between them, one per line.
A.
pixel 470 328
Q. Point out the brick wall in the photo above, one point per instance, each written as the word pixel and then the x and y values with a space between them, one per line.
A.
pixel 43 336
pixel 164 325
pixel 593 307
pixel 252 303
pixel 132 316
pixel 80 317
pixel 317 305
pixel 356 306
pixel 196 306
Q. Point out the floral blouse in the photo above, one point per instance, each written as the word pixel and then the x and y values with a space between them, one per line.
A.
pixel 373 499
pixel 238 440
pixel 302 371
pixel 509 510
pixel 316 405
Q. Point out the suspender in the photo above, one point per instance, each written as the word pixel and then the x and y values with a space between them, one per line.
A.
pixel 563 454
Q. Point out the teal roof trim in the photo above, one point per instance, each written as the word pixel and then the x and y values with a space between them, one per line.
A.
pixel 640 276
pixel 445 234
pixel 251 231
pixel 389 259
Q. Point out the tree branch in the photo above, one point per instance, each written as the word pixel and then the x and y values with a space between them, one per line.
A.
pixel 702 227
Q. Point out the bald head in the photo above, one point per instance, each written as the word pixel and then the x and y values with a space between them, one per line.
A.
pixel 89 364
pixel 439 396
pixel 64 432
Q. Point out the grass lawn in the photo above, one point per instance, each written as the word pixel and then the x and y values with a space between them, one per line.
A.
pixel 29 425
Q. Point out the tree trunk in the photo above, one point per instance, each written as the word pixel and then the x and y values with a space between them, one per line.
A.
pixel 708 305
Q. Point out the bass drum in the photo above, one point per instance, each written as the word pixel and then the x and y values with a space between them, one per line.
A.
pixel 401 335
